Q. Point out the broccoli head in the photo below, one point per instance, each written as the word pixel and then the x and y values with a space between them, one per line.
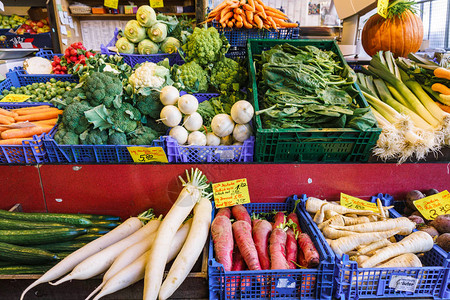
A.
pixel 228 75
pixel 125 118
pixel 94 137
pixel 64 137
pixel 103 88
pixel 143 136
pixel 205 46
pixel 73 116
pixel 117 138
pixel 149 105
pixel 191 77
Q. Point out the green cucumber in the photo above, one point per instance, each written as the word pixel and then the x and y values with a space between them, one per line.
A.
pixel 39 236
pixel 98 230
pixel 97 217
pixel 105 224
pixel 64 246
pixel 46 217
pixel 22 269
pixel 22 224
pixel 28 255
pixel 87 237
pixel 6 263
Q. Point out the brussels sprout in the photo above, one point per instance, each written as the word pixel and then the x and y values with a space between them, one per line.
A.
pixel 146 16
pixel 123 45
pixel 134 32
pixel 158 32
pixel 147 47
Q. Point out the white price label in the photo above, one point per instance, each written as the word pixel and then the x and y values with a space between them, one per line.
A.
pixel 403 283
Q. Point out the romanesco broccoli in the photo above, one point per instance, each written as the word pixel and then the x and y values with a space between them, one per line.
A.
pixel 103 88
pixel 228 75
pixel 191 77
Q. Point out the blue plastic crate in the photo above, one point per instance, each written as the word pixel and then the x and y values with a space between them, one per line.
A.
pixel 275 284
pixel 31 151
pixel 48 54
pixel 133 59
pixel 237 37
pixel 352 282
pixel 6 84
pixel 20 77
pixel 237 53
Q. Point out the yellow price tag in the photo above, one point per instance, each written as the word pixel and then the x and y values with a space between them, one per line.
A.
pixel 15 98
pixel 147 154
pixel 229 193
pixel 111 3
pixel 432 206
pixel 382 8
pixel 356 203
pixel 156 3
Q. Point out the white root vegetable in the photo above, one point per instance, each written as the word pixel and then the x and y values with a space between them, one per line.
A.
pixel 403 222
pixel 418 241
pixel 170 116
pixel 242 112
pixel 169 95
pixel 212 139
pixel 242 132
pixel 67 264
pixel 180 134
pixel 329 214
pixel 361 258
pixel 196 138
pixel 101 261
pixel 127 256
pixel 222 125
pixel 189 196
pixel 187 104
pixel 373 246
pixel 319 216
pixel 136 270
pixel 192 249
pixel 353 221
pixel 193 121
pixel 331 233
pixel 336 220
pixel 313 204
pixel 380 207
pixel 407 260
pixel 347 243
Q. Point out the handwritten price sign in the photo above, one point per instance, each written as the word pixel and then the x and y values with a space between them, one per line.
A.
pixel 15 98
pixel 382 8
pixel 111 3
pixel 356 203
pixel 435 205
pixel 229 193
pixel 147 154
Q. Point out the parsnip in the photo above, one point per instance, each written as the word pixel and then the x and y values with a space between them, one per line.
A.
pixel 407 260
pixel 331 233
pixel 404 222
pixel 373 246
pixel 354 221
pixel 361 258
pixel 313 204
pixel 320 215
pixel 336 220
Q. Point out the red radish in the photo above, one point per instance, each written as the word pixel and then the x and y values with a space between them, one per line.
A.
pixel 278 219
pixel 240 213
pixel 224 211
pixel 293 217
pixel 301 258
pixel 238 260
pixel 277 249
pixel 256 221
pixel 261 233
pixel 242 231
pixel 291 248
pixel 222 235
pixel 309 250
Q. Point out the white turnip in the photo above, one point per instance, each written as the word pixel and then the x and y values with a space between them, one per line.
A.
pixel 170 116
pixel 193 121
pixel 242 132
pixel 212 139
pixel 222 125
pixel 169 95
pixel 180 134
pixel 196 138
pixel 187 104
pixel 242 112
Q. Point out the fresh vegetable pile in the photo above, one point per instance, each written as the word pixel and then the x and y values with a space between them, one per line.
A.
pixel 264 242
pixel 151 33
pixel 249 14
pixel 366 236
pixel 134 251
pixel 305 87
pixel 32 243
pixel 74 57
pixel 42 91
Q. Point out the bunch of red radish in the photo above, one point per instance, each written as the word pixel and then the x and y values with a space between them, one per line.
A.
pixel 259 244
pixel 74 54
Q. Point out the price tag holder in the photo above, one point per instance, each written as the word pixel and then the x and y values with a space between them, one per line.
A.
pixel 382 8
pixel 156 3
pixel 356 203
pixel 15 98
pixel 403 283
pixel 111 3
pixel 433 206
pixel 229 193
pixel 147 154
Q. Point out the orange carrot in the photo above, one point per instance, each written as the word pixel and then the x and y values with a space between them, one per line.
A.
pixel 258 21
pixel 239 24
pixel 220 7
pixel 230 24
pixel 444 107
pixel 30 107
pixel 25 132
pixel 7 113
pixel 225 18
pixel 246 23
pixel 242 2
pixel 272 23
pixel 16 141
pixel 249 16
pixel 239 17
pixel 260 9
pixel 252 4
pixel 40 116
pixel 6 120
pixel 268 8
pixel 283 24
pixel 46 122
pixel 442 73
pixel 248 7
pixel 272 14
pixel 439 87
pixel 224 12
pixel 36 111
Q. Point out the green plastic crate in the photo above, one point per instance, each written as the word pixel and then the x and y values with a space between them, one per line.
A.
pixel 307 145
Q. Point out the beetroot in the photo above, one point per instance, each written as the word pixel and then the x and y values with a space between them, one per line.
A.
pixel 430 230
pixel 443 241
pixel 442 223
pixel 416 219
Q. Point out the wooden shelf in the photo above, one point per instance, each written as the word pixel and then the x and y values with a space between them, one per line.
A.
pixel 122 16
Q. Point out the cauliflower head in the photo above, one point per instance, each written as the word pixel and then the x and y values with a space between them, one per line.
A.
pixel 228 74
pixel 191 77
pixel 149 75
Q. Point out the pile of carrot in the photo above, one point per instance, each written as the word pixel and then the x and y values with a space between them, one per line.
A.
pixel 41 118
pixel 260 244
pixel 249 14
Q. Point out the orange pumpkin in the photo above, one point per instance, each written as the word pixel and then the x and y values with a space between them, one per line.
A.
pixel 400 34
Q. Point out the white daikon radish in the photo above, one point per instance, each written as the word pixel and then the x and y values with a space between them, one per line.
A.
pixel 180 134
pixel 193 121
pixel 197 138
pixel 226 140
pixel 242 112
pixel 212 139
pixel 222 125
pixel 242 132
pixel 187 104
pixel 170 116
pixel 169 95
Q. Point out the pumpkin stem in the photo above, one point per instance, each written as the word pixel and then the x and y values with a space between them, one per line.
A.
pixel 398 7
